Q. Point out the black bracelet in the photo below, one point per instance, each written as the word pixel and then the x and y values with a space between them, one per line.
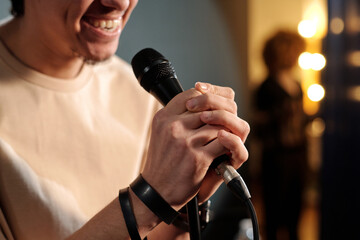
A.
pixel 153 200
pixel 128 214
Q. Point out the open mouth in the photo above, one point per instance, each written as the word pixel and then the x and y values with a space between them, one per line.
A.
pixel 109 25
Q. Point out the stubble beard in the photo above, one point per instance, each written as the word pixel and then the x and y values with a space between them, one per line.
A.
pixel 90 60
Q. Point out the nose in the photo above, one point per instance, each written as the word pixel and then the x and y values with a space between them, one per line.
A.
pixel 117 4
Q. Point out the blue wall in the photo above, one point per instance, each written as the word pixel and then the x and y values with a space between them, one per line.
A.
pixel 191 34
pixel 4 8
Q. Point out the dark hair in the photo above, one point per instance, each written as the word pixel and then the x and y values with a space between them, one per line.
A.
pixel 282 50
pixel 17 8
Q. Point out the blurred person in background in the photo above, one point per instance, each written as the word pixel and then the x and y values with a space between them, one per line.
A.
pixel 279 125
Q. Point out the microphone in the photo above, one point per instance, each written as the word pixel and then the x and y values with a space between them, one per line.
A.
pixel 157 76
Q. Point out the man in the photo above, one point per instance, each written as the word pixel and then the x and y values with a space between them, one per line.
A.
pixel 72 133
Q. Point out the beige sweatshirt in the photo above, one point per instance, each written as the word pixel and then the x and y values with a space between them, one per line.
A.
pixel 67 146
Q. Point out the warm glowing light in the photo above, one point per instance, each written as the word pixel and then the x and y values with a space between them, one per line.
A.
pixel 315 92
pixel 317 127
pixel 315 61
pixel 305 60
pixel 352 18
pixel 354 93
pixel 307 28
pixel 315 15
pixel 354 58
pixel 337 25
pixel 318 61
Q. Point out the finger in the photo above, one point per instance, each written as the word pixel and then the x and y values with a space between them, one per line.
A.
pixel 177 104
pixel 209 185
pixel 233 143
pixel 214 149
pixel 210 101
pixel 190 120
pixel 217 90
pixel 182 126
pixel 232 122
pixel 204 135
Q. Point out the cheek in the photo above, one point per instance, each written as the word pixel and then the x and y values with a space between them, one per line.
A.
pixel 74 14
pixel 133 3
pixel 131 7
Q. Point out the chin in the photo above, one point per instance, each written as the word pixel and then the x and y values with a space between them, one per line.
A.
pixel 98 48
pixel 93 61
pixel 93 57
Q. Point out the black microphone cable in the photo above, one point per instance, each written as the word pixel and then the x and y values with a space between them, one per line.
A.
pixel 157 76
pixel 237 186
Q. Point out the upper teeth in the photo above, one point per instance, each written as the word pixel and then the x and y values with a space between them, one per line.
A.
pixel 106 24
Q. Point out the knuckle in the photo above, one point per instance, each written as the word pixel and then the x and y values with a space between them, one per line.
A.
pixel 158 119
pixel 176 129
pixel 246 127
pixel 211 88
pixel 199 161
pixel 228 92
pixel 240 158
pixel 233 107
pixel 188 143
pixel 231 93
pixel 195 158
pixel 206 99
pixel 193 92
pixel 244 156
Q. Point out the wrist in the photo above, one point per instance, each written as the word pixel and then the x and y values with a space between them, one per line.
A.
pixel 145 218
pixel 153 200
pixel 165 190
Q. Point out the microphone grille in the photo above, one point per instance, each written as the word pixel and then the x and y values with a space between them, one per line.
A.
pixel 144 59
pixel 150 67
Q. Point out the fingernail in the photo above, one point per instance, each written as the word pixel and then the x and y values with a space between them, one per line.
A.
pixel 206 115
pixel 191 103
pixel 203 87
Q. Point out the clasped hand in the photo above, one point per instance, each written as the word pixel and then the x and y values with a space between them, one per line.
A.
pixel 194 128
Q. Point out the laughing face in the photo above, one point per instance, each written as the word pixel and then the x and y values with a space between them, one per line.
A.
pixel 79 28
